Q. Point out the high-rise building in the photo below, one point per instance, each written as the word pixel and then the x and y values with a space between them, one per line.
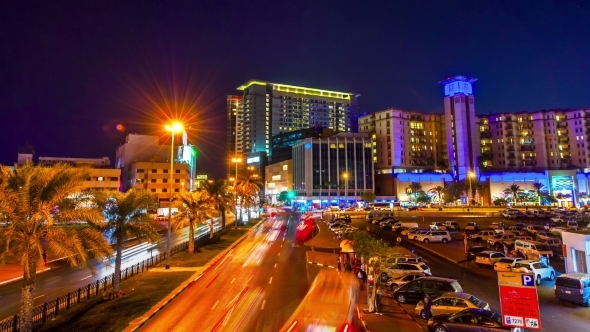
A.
pixel 268 109
pixel 234 103
pixel 460 120
pixel 282 144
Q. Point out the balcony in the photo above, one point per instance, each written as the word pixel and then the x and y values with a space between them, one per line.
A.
pixel 563 139
pixel 486 156
pixel 511 156
pixel 509 133
pixel 562 124
pixel 511 164
pixel 526 126
pixel 510 148
pixel 508 126
pixel 485 134
pixel 527 147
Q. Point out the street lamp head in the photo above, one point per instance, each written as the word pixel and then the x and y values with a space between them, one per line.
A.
pixel 471 174
pixel 236 160
pixel 175 127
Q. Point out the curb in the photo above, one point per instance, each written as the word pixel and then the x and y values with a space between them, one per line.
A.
pixel 189 281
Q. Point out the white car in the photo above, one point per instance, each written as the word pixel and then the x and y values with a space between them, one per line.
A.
pixel 488 258
pixel 540 270
pixel 394 283
pixel 482 236
pixel 407 230
pixel 414 235
pixel 552 242
pixel 506 238
pixel 402 269
pixel 434 236
pixel 506 264
pixel 533 229
pixel 438 226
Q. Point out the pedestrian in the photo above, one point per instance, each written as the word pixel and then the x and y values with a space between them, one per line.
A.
pixel 339 264
pixel 347 267
pixel 427 307
pixel 378 294
pixel 44 257
pixel 505 249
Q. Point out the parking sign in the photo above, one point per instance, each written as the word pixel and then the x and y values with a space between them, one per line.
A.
pixel 519 301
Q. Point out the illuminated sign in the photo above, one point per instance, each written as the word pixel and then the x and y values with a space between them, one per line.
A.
pixel 253 160
pixel 201 177
pixel 518 300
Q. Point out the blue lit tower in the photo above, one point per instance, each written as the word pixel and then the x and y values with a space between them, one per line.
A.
pixel 461 127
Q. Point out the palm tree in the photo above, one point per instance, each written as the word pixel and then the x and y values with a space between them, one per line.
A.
pixel 194 207
pixel 218 191
pixel 248 186
pixel 415 187
pixel 126 217
pixel 32 198
pixel 438 190
pixel 539 187
pixel 514 190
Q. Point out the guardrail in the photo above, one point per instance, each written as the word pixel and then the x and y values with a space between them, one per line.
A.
pixel 50 310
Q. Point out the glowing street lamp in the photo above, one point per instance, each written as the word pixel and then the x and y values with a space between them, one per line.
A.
pixel 173 128
pixel 236 160
pixel 345 176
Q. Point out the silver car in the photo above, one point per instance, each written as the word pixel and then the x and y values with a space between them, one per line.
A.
pixel 450 303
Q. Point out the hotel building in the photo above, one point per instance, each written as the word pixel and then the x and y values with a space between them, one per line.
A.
pixel 266 109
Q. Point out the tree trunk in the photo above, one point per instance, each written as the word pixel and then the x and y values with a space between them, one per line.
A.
pixel 222 210
pixel 117 275
pixel 191 236
pixel 28 296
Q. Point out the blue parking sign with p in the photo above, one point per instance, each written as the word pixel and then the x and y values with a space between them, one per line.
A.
pixel 528 280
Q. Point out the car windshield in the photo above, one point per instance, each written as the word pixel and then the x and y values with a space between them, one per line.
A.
pixel 483 254
pixel 497 318
pixel 423 267
pixel 506 260
pixel 526 266
pixel 475 300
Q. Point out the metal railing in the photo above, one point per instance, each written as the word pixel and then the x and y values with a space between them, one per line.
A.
pixel 50 310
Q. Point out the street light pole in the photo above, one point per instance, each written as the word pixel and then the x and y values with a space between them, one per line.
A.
pixel 470 190
pixel 172 128
pixel 346 189
pixel 236 160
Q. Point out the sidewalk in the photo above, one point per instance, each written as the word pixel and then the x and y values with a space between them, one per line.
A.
pixel 12 272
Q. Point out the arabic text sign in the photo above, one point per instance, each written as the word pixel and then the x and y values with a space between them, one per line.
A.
pixel 518 300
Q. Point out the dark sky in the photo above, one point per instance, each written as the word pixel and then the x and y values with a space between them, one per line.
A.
pixel 71 71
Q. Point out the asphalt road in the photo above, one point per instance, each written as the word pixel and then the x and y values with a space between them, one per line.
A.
pixel 256 287
pixel 62 279
pixel 555 316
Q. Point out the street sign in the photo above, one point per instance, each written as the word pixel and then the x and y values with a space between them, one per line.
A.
pixel 518 300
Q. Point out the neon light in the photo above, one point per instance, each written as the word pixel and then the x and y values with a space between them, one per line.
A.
pixel 250 83
pixel 300 90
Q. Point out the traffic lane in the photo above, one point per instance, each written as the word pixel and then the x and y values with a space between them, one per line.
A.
pixel 62 279
pixel 555 316
pixel 256 277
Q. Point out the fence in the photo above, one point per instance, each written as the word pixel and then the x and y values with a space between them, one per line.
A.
pixel 50 310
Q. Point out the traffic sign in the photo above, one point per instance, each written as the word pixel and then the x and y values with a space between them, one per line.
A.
pixel 518 300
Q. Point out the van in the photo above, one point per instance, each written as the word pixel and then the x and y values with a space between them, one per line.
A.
pixel 532 248
pixel 573 287
pixel 414 290
pixel 407 224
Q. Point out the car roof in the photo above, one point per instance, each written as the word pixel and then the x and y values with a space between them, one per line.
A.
pixel 575 275
pixel 490 252
pixel 478 311
pixel 438 279
pixel 456 295
pixel 528 261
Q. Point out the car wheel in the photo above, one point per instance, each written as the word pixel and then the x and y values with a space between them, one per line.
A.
pixel 440 328
pixel 552 276
pixel 538 279
pixel 384 276
pixel 400 298
pixel 445 240
pixel 426 241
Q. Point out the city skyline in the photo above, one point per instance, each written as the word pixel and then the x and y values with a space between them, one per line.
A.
pixel 71 74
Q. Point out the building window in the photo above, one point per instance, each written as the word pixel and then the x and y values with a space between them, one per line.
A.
pixel 166 171
pixel 165 180
pixel 164 190
pixel 153 190
pixel 100 178
pixel 153 180
pixel 177 171
pixel 176 190
pixel 154 171
pixel 176 180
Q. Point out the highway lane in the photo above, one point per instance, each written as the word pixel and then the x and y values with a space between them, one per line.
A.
pixel 555 316
pixel 62 279
pixel 256 287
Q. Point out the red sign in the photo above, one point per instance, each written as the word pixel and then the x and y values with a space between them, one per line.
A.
pixel 519 300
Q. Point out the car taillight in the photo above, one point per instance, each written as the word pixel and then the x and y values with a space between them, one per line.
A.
pixel 581 289
pixel 345 328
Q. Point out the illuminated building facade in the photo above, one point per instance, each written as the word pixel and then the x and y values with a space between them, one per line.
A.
pixel 268 109
pixel 333 170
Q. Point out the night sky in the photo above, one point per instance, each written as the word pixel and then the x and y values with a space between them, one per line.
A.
pixel 71 71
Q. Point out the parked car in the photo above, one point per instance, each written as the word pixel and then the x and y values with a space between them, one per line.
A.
pixel 488 258
pixel 472 226
pixel 573 287
pixel 413 234
pixel 495 241
pixel 414 290
pixel 482 236
pixel 471 319
pixel 533 229
pixel 473 251
pixel 450 303
pixel 438 226
pixel 539 269
pixel 405 232
pixel 401 269
pixel 544 235
pixel 552 242
pixel 395 283
pixel 548 226
pixel 571 224
pixel 390 260
pixel 506 264
pixel 496 225
pixel 452 226
pixel 435 236
pixel 520 225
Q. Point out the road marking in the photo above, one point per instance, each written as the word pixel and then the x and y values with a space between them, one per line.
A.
pixel 232 281
pixel 215 305
pixel 44 295
pixel 275 265
pixel 270 281
pixel 86 278
pixel 263 303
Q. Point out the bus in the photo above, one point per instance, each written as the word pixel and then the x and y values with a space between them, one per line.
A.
pixel 330 305
pixel 382 206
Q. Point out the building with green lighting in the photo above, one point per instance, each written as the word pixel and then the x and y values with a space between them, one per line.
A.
pixel 266 109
